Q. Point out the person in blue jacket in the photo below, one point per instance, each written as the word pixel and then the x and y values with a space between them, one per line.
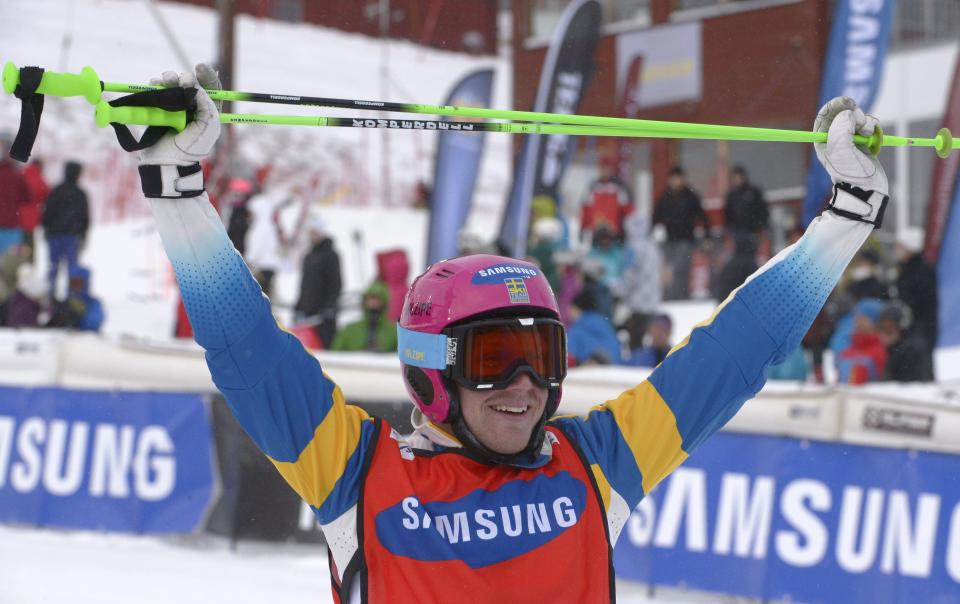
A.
pixel 591 338
pixel 492 498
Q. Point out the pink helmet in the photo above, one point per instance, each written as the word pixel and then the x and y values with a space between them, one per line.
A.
pixel 452 292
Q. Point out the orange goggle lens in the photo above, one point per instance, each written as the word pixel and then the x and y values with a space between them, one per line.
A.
pixel 493 353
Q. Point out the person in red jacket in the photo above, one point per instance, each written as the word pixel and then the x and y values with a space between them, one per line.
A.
pixel 38 189
pixel 14 197
pixel 492 498
pixel 865 358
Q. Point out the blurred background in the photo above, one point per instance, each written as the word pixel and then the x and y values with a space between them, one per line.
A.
pixel 123 476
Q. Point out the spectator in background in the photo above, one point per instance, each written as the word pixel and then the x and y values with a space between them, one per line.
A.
pixel 592 272
pixel 741 265
pixel 234 203
pixel 641 286
pixel 80 310
pixel 794 367
pixel 865 358
pixel 916 285
pixel 745 211
pixel 591 339
pixel 908 356
pixel 607 250
pixel 374 332
pixel 14 197
pixel 679 211
pixel 653 345
pixel 393 269
pixel 38 192
pixel 23 308
pixel 66 219
pixel 545 237
pixel 608 202
pixel 865 281
pixel 263 248
pixel 571 282
pixel 10 263
pixel 320 285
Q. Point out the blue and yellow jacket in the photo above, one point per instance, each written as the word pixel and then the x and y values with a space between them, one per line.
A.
pixel 325 447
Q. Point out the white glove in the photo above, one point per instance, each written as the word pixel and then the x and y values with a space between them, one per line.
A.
pixel 861 189
pixel 171 168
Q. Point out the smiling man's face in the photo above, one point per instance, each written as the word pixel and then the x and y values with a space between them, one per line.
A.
pixel 503 420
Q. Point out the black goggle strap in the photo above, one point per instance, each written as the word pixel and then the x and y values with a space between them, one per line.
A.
pixel 31 108
pixel 168 99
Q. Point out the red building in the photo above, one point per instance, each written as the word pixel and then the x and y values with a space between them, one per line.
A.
pixel 457 25
pixel 753 62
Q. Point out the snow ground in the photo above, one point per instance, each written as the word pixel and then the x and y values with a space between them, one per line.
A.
pixel 40 566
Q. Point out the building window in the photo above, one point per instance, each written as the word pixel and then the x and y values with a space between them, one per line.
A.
pixel 627 11
pixel 543 15
pixel 925 21
pixel 691 4
pixel 287 10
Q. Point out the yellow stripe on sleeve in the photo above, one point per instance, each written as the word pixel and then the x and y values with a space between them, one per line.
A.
pixel 323 461
pixel 650 430
pixel 602 485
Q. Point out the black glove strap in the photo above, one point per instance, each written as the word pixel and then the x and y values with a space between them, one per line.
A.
pixel 168 99
pixel 151 181
pixel 31 107
pixel 869 207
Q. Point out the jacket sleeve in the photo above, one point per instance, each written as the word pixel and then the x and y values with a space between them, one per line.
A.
pixel 636 440
pixel 296 415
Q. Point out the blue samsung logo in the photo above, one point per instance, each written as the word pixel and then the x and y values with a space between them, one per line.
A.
pixel 484 527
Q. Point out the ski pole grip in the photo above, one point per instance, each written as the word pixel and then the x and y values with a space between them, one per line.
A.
pixel 85 84
pixel 144 116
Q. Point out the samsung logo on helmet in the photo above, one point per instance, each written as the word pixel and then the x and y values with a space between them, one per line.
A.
pixel 495 274
pixel 507 269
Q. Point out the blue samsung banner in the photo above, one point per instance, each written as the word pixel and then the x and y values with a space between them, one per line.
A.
pixel 792 520
pixel 457 166
pixel 119 461
pixel 566 72
pixel 853 67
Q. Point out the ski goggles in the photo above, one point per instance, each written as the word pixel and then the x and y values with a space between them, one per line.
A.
pixel 490 354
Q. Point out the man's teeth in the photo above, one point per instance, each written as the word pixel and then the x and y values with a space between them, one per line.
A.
pixel 510 409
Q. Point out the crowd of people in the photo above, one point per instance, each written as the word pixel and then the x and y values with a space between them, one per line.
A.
pixel 30 297
pixel 880 323
pixel 611 282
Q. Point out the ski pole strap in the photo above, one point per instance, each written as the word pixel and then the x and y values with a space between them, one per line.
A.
pixel 31 107
pixel 171 182
pixel 169 99
pixel 858 204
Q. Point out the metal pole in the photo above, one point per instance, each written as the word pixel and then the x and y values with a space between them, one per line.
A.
pixel 385 184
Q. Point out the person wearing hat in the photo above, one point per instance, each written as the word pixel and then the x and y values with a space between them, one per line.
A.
pixel 493 497
pixel 680 212
pixel 916 285
pixel 374 331
pixel 320 284
pixel 608 202
pixel 908 355
pixel 14 197
pixel 745 211
pixel 865 359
